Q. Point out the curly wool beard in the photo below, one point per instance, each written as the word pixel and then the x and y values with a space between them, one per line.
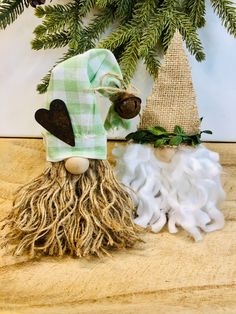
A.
pixel 184 192
pixel 63 214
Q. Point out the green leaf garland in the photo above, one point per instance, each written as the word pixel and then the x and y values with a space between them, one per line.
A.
pixel 159 137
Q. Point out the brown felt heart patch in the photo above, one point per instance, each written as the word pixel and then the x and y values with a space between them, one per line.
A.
pixel 56 120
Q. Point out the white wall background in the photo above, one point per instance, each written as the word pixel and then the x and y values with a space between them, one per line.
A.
pixel 21 69
pixel 215 80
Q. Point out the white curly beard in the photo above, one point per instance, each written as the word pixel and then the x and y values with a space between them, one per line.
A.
pixel 184 192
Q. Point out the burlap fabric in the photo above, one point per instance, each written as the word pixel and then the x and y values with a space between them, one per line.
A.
pixel 173 100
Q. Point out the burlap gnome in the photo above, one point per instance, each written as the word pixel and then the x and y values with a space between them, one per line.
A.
pixel 76 206
pixel 171 176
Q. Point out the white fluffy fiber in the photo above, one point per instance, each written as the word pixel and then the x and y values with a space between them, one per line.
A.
pixel 185 192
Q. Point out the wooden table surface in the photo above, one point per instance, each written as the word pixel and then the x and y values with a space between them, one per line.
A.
pixel 166 274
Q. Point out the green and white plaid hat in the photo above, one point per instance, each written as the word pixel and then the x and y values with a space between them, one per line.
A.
pixel 74 82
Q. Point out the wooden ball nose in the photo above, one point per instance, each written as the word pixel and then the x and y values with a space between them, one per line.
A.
pixel 76 165
pixel 165 154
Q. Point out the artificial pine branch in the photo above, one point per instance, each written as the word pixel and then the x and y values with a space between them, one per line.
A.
pixel 168 10
pixel 117 38
pixel 142 11
pixel 189 33
pixel 168 33
pixel 132 37
pixel 103 3
pixel 75 29
pixel 138 27
pixel 124 10
pixel 55 18
pixel 152 62
pixel 86 6
pixel 10 10
pixel 196 11
pixel 83 43
pixel 99 24
pixel 152 33
pixel 42 87
pixel 50 41
pixel 226 10
pixel 129 60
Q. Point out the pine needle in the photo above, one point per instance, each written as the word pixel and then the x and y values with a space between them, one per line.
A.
pixel 137 27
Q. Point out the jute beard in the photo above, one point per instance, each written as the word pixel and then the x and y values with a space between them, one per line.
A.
pixel 63 214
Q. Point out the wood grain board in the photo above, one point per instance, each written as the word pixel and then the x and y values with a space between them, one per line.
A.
pixel 166 274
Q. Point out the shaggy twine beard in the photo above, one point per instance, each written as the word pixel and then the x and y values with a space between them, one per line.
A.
pixel 59 213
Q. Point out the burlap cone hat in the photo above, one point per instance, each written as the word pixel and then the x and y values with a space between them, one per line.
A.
pixel 173 100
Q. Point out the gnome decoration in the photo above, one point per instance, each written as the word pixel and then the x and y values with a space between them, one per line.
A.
pixel 170 175
pixel 76 206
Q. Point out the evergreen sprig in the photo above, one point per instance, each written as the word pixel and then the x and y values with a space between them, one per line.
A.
pixel 99 24
pixel 10 10
pixel 55 18
pixel 189 34
pixel 159 137
pixel 226 10
pixel 129 59
pixel 124 10
pixel 86 6
pixel 56 40
pixel 152 62
pixel 140 29
pixel 196 10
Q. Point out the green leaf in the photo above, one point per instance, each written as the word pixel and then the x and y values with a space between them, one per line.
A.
pixel 157 127
pixel 179 130
pixel 139 135
pixel 130 136
pixel 194 143
pixel 175 140
pixel 157 130
pixel 207 132
pixel 160 142
pixel 196 138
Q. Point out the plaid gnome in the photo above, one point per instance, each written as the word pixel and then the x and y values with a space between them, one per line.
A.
pixel 77 207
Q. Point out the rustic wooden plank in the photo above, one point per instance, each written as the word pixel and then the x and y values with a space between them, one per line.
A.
pixel 164 262
pixel 227 152
pixel 190 301
pixel 167 274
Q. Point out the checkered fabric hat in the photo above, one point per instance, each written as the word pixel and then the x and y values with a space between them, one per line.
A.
pixel 73 81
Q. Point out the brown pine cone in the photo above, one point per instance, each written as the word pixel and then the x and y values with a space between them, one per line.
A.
pixel 34 3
